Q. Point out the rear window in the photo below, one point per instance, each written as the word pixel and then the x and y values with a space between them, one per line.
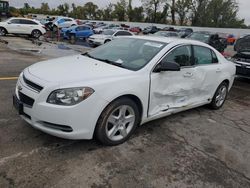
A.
pixel 200 37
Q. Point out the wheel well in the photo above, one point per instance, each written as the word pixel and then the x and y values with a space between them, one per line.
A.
pixel 131 97
pixel 35 30
pixel 134 99
pixel 226 81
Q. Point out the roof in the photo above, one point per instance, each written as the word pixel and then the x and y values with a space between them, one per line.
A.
pixel 169 40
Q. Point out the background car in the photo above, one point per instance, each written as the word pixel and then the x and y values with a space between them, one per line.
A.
pixel 99 30
pixel 242 56
pixel 212 39
pixel 168 29
pixel 22 26
pixel 166 34
pixel 184 32
pixel 62 22
pixel 77 32
pixel 231 39
pixel 107 36
pixel 150 30
pixel 136 30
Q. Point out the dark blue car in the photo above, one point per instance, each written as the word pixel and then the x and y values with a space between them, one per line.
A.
pixel 77 32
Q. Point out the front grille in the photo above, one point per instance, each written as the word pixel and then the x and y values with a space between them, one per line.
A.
pixel 63 128
pixel 26 99
pixel 32 84
pixel 244 60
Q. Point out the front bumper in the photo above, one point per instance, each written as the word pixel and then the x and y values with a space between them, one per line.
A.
pixel 70 122
pixel 242 69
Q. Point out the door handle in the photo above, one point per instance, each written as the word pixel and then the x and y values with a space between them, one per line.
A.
pixel 188 74
pixel 218 70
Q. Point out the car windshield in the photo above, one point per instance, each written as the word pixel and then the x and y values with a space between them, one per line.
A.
pixel 128 53
pixel 108 32
pixel 200 37
pixel 161 33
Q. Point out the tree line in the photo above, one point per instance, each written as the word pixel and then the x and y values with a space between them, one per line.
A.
pixel 207 13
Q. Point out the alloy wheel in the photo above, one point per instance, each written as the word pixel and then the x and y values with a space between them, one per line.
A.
pixel 120 123
pixel 2 32
pixel 221 96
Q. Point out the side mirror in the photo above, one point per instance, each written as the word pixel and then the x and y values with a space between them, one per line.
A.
pixel 8 22
pixel 167 66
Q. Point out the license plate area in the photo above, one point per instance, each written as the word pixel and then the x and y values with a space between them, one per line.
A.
pixel 18 105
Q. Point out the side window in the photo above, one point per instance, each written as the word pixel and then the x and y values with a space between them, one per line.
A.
pixel 202 55
pixel 85 28
pixel 28 22
pixel 67 20
pixel 214 56
pixel 123 33
pixel 15 21
pixel 80 28
pixel 181 55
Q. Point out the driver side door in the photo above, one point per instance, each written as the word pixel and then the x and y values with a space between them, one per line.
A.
pixel 173 90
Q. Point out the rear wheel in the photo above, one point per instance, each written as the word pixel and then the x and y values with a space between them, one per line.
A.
pixel 3 31
pixel 36 33
pixel 117 122
pixel 72 39
pixel 219 96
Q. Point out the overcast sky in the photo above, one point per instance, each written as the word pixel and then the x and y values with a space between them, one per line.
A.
pixel 244 5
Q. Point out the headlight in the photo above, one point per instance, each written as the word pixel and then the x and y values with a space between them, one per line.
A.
pixel 69 96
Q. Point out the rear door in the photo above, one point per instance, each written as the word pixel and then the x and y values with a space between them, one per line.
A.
pixel 209 71
pixel 28 26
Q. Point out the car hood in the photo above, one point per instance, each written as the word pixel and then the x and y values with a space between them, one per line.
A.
pixel 100 36
pixel 75 68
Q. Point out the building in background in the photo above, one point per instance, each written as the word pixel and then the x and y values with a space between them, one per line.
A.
pixel 4 9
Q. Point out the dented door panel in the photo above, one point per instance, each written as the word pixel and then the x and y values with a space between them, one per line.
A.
pixel 174 90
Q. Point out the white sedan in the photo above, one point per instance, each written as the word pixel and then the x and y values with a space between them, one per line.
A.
pixel 112 89
pixel 107 35
pixel 22 26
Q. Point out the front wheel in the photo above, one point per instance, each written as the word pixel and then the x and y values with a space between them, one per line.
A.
pixel 3 31
pixel 72 39
pixel 117 122
pixel 36 34
pixel 219 96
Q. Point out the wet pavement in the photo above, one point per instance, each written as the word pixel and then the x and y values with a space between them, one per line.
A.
pixel 196 148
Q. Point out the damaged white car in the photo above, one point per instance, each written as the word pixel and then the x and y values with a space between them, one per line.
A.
pixel 114 88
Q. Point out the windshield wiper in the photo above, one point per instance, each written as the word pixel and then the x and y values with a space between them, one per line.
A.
pixel 104 60
pixel 111 62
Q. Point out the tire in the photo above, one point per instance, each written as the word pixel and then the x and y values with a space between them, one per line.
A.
pixel 3 31
pixel 106 41
pixel 117 122
pixel 36 34
pixel 55 28
pixel 72 39
pixel 220 96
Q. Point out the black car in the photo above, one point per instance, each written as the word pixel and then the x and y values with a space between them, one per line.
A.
pixel 150 30
pixel 242 56
pixel 184 32
pixel 212 39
